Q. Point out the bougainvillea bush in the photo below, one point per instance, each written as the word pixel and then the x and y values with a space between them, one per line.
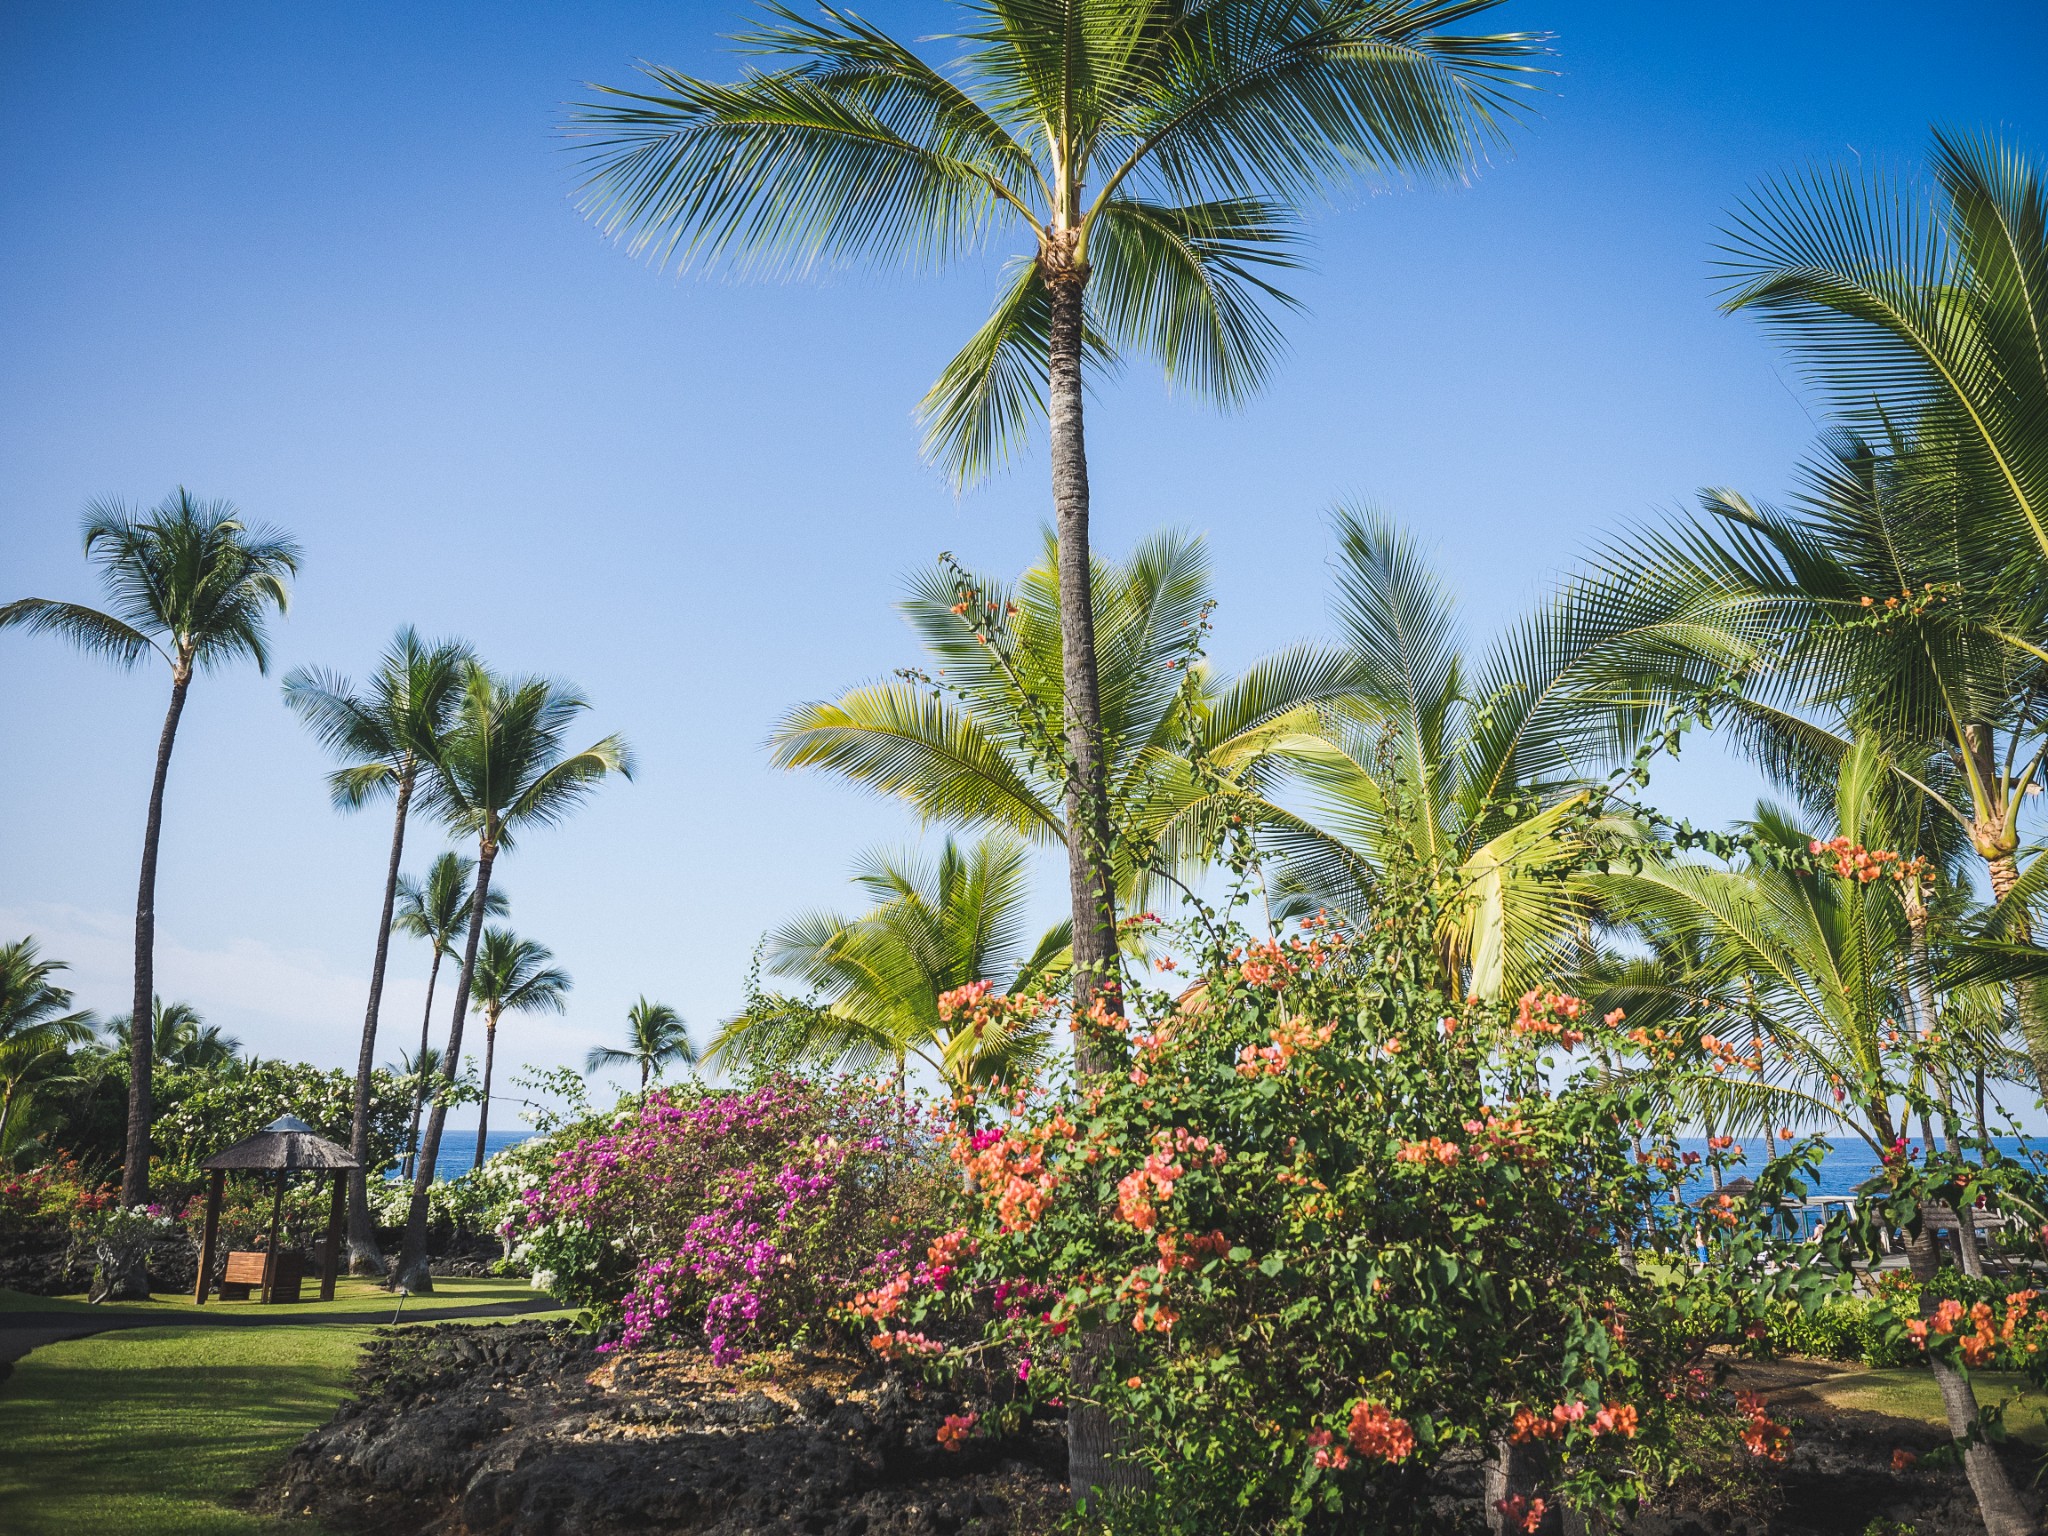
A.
pixel 1312 1226
pixel 738 1220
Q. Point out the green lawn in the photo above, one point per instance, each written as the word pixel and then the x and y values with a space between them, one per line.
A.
pixel 162 1431
pixel 1910 1394
pixel 350 1295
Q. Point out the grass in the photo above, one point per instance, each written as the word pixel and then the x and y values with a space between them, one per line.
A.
pixel 162 1431
pixel 350 1295
pixel 159 1431
pixel 1909 1394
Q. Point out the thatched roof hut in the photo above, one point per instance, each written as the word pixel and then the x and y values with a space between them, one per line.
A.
pixel 284 1147
pixel 287 1144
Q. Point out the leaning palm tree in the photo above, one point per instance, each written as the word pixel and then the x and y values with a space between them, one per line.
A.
pixel 1826 966
pixel 502 770
pixel 1903 311
pixel 656 1036
pixel 1147 155
pixel 436 909
pixel 878 984
pixel 385 736
pixel 37 1027
pixel 1481 773
pixel 193 585
pixel 1184 750
pixel 512 976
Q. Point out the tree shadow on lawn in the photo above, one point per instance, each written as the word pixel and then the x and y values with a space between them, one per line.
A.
pixel 162 1431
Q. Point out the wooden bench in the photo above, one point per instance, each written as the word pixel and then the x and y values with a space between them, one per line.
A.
pixel 247 1270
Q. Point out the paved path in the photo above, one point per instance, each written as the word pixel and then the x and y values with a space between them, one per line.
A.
pixel 21 1332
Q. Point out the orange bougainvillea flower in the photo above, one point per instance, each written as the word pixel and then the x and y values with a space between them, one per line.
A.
pixel 1377 1433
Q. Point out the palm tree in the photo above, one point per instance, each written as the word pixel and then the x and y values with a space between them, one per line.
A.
pixel 193 585
pixel 655 1036
pixel 1481 774
pixel 37 1028
pixel 437 910
pixel 1828 966
pixel 1184 749
pixel 179 1037
pixel 1901 312
pixel 512 976
pixel 1873 607
pixel 878 983
pixel 1147 154
pixel 502 770
pixel 384 736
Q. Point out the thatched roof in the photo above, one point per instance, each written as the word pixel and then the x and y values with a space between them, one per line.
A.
pixel 288 1143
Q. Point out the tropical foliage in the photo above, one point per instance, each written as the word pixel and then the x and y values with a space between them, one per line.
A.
pixel 935 970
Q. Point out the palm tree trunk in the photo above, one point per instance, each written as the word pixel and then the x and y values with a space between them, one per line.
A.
pixel 1092 1459
pixel 364 1256
pixel 483 1114
pixel 142 1014
pixel 1997 1503
pixel 419 1094
pixel 413 1272
pixel 1089 877
pixel 1921 1003
pixel 2004 871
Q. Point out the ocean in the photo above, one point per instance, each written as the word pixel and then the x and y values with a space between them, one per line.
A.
pixel 1848 1163
pixel 458 1149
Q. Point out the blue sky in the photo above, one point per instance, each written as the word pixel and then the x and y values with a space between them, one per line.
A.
pixel 322 261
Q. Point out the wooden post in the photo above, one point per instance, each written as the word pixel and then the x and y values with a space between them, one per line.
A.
pixel 211 1233
pixel 270 1263
pixel 332 1259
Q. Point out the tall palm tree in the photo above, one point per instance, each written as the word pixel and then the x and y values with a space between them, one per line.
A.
pixel 1147 155
pixel 1901 311
pixel 384 736
pixel 1483 773
pixel 655 1036
pixel 878 982
pixel 502 770
pixel 436 909
pixel 1828 962
pixel 193 585
pixel 37 1027
pixel 1184 749
pixel 512 976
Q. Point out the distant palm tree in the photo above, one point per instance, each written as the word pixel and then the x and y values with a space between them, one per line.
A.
pixel 1148 155
pixel 877 980
pixel 512 976
pixel 502 770
pixel 384 736
pixel 437 910
pixel 179 1037
pixel 195 586
pixel 37 1030
pixel 655 1036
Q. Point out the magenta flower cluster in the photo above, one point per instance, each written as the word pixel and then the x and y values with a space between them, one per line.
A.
pixel 732 1219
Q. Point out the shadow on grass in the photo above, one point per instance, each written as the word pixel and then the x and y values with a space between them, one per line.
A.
pixel 161 1430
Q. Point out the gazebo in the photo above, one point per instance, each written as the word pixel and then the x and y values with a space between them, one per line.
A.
pixel 285 1146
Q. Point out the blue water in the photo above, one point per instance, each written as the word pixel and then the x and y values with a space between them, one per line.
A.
pixel 458 1150
pixel 1849 1162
